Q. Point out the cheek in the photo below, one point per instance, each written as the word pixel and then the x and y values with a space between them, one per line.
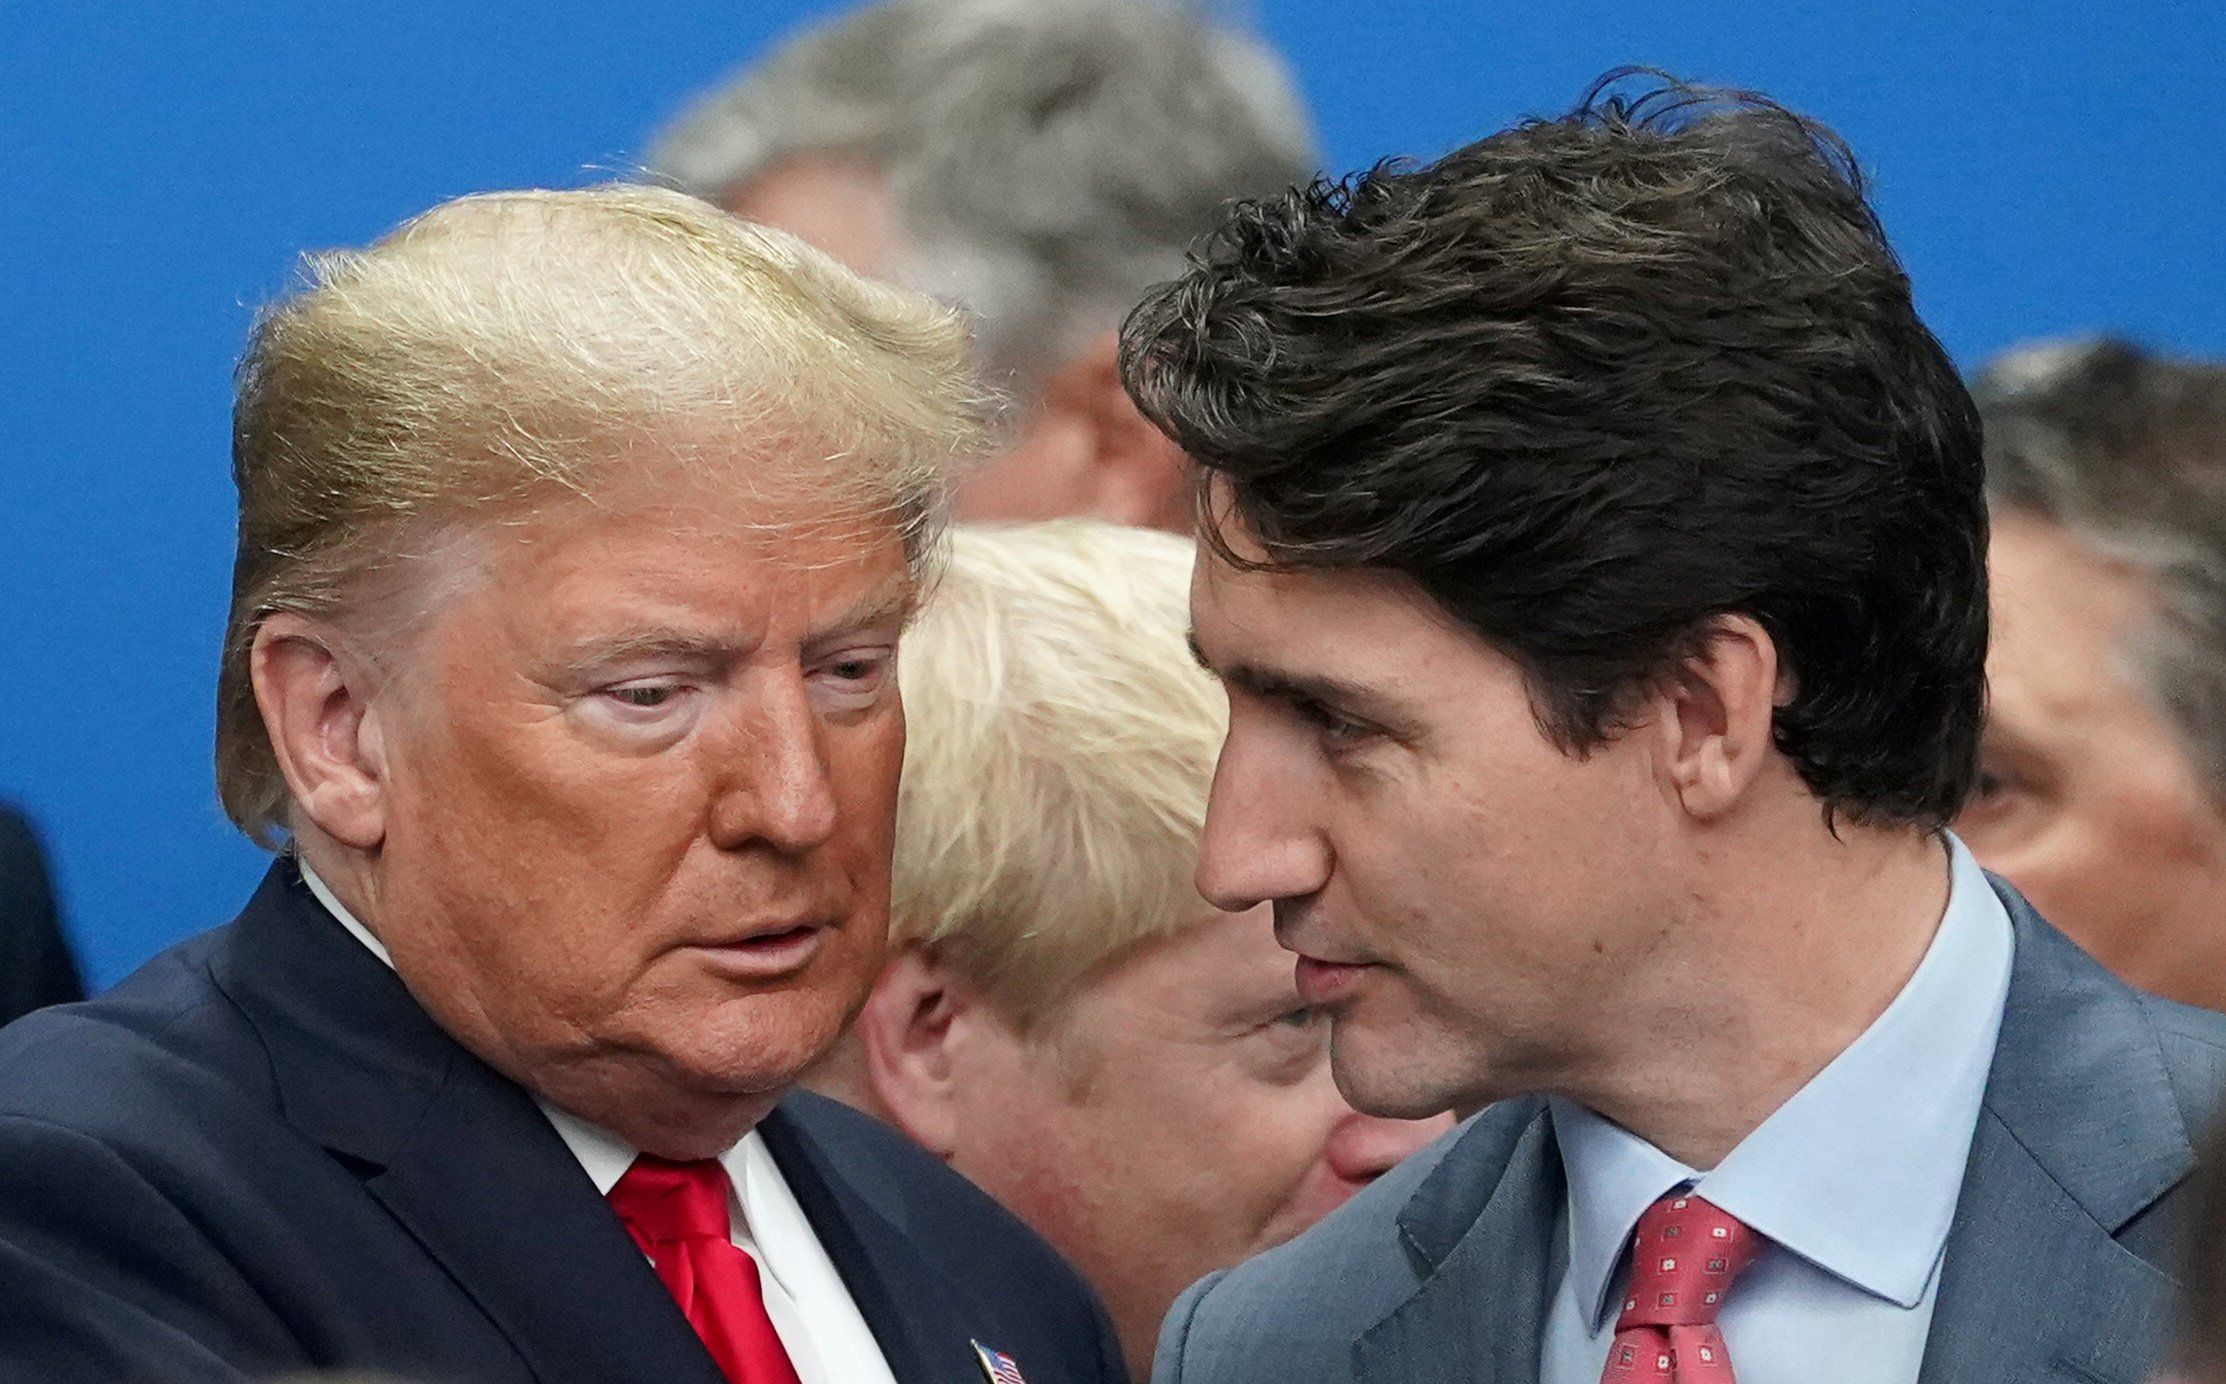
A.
pixel 1274 1140
pixel 1216 1150
pixel 1541 859
pixel 2131 806
pixel 864 764
pixel 1022 1143
pixel 508 825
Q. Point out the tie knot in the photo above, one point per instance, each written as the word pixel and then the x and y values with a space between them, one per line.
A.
pixel 1684 1256
pixel 663 1202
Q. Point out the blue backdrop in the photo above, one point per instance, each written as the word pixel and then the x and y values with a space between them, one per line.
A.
pixel 2050 167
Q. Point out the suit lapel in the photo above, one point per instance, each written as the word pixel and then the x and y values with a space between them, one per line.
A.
pixel 1477 1231
pixel 913 1309
pixel 2033 1289
pixel 2080 1133
pixel 492 1193
pixel 459 1155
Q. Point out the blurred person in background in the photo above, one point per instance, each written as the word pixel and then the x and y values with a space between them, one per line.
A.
pixel 1129 1069
pixel 2102 788
pixel 36 968
pixel 567 679
pixel 1038 162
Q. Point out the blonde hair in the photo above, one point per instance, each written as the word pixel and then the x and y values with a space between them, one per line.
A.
pixel 1061 743
pixel 504 350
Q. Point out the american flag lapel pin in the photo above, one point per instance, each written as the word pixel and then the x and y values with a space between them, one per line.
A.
pixel 997 1367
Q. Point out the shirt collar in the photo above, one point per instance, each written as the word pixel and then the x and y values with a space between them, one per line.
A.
pixel 339 910
pixel 767 1209
pixel 1860 1170
pixel 760 1192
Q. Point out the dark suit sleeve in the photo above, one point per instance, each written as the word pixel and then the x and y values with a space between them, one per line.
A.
pixel 103 1279
pixel 35 964
pixel 1112 1365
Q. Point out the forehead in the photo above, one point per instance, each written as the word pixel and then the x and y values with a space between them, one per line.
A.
pixel 2062 614
pixel 838 203
pixel 688 554
pixel 1335 620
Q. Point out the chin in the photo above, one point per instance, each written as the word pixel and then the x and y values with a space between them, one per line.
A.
pixel 757 1045
pixel 1384 1078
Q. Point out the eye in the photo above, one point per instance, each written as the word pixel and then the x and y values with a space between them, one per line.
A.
pixel 650 704
pixel 853 678
pixel 1335 728
pixel 1292 1043
pixel 2009 801
pixel 1995 783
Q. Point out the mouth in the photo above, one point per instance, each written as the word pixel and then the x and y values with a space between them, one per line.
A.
pixel 1324 983
pixel 765 953
pixel 1322 980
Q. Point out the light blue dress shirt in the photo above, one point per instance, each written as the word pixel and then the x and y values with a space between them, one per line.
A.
pixel 1852 1182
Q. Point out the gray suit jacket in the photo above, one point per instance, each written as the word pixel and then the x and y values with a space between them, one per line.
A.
pixel 2054 1262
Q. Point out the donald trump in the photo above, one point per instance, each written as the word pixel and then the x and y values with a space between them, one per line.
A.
pixel 576 533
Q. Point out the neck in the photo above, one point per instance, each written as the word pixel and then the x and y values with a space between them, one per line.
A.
pixel 843 1075
pixel 653 1116
pixel 346 872
pixel 1773 975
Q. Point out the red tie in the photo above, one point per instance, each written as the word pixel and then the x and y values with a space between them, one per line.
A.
pixel 1684 1256
pixel 677 1213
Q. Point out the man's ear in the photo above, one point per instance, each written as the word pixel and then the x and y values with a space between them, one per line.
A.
pixel 1136 474
pixel 908 1028
pixel 1716 714
pixel 315 700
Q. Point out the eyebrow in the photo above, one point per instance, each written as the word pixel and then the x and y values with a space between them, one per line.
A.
pixel 658 644
pixel 887 604
pixel 891 603
pixel 1286 686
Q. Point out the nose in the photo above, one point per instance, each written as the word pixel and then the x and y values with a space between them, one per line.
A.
pixel 773 784
pixel 1258 845
pixel 1362 1148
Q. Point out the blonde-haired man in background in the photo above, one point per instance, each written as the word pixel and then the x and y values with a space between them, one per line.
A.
pixel 576 533
pixel 1064 1018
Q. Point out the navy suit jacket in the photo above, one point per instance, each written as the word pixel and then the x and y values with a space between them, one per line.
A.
pixel 2055 1265
pixel 35 964
pixel 259 1154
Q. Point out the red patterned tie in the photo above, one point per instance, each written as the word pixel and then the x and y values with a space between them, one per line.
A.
pixel 677 1213
pixel 1684 1256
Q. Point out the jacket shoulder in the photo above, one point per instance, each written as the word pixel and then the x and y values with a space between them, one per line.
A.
pixel 911 1184
pixel 1295 1311
pixel 2193 1042
pixel 966 1236
pixel 919 1192
pixel 162 1048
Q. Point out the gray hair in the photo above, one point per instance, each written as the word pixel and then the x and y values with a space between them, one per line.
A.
pixel 1051 159
pixel 2127 450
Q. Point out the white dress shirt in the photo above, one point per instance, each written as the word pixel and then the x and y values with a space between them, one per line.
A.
pixel 1852 1182
pixel 813 1313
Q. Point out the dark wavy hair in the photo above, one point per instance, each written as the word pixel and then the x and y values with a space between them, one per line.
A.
pixel 1593 381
